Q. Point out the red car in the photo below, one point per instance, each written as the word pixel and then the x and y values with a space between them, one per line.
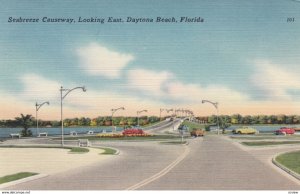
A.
pixel 285 130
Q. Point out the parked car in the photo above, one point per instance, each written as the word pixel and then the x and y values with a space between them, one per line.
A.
pixel 197 132
pixel 284 131
pixel 183 128
pixel 245 130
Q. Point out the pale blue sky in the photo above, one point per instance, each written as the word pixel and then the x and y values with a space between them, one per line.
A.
pixel 239 49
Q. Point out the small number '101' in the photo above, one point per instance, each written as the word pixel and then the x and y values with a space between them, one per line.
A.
pixel 290 19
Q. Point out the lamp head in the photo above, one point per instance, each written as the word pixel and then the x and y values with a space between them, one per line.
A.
pixel 84 89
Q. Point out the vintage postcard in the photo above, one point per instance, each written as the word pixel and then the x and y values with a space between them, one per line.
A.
pixel 199 95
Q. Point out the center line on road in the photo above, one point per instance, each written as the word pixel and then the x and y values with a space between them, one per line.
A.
pixel 162 172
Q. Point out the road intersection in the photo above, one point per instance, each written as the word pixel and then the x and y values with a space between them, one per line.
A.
pixel 213 162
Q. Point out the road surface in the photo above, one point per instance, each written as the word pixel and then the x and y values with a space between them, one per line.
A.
pixel 209 163
pixel 217 164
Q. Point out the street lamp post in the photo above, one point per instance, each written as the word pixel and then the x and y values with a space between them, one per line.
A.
pixel 160 110
pixel 37 107
pixel 215 104
pixel 169 110
pixel 62 96
pixel 138 112
pixel 177 112
pixel 112 114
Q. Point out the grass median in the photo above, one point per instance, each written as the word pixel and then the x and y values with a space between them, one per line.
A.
pixel 79 150
pixel 266 137
pixel 174 142
pixel 15 177
pixel 192 125
pixel 268 143
pixel 108 151
pixel 290 160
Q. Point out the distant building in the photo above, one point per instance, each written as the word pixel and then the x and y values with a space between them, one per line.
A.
pixel 202 120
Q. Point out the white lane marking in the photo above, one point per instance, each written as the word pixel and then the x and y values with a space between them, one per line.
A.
pixel 162 172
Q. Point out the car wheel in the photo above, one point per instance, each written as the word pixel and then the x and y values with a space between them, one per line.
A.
pixel 284 133
pixel 239 132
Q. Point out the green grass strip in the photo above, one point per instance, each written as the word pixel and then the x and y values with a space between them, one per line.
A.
pixel 79 150
pixel 266 137
pixel 290 160
pixel 17 176
pixel 192 125
pixel 109 151
pixel 266 143
pixel 173 142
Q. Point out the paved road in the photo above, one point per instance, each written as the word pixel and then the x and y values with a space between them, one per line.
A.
pixel 137 161
pixel 213 163
pixel 217 164
pixel 164 126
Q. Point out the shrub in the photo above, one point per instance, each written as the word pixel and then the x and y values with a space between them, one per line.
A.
pixel 110 135
pixel 127 132
pixel 207 127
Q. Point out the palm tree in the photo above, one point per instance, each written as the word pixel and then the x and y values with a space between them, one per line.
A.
pixel 25 121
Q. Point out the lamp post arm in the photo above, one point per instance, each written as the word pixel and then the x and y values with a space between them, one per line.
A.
pixel 114 110
pixel 215 104
pixel 38 106
pixel 112 114
pixel 70 90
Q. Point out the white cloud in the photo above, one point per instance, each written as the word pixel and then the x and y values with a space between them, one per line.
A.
pixel 98 60
pixel 275 81
pixel 91 103
pixel 164 85
pixel 38 88
pixel 149 82
pixel 195 93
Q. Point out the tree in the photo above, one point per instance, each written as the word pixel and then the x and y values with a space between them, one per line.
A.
pixel 93 123
pixel 81 121
pixel 272 119
pixel 236 119
pixel 100 121
pixel 74 122
pixel 296 119
pixel 224 122
pixel 153 119
pixel 132 121
pixel 212 119
pixel 25 121
pixel 281 119
pixel 262 119
pixel 247 119
pixel 255 119
pixel 67 122
pixel 55 123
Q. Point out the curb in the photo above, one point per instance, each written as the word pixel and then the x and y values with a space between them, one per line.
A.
pixel 290 172
pixel 117 150
pixel 31 178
